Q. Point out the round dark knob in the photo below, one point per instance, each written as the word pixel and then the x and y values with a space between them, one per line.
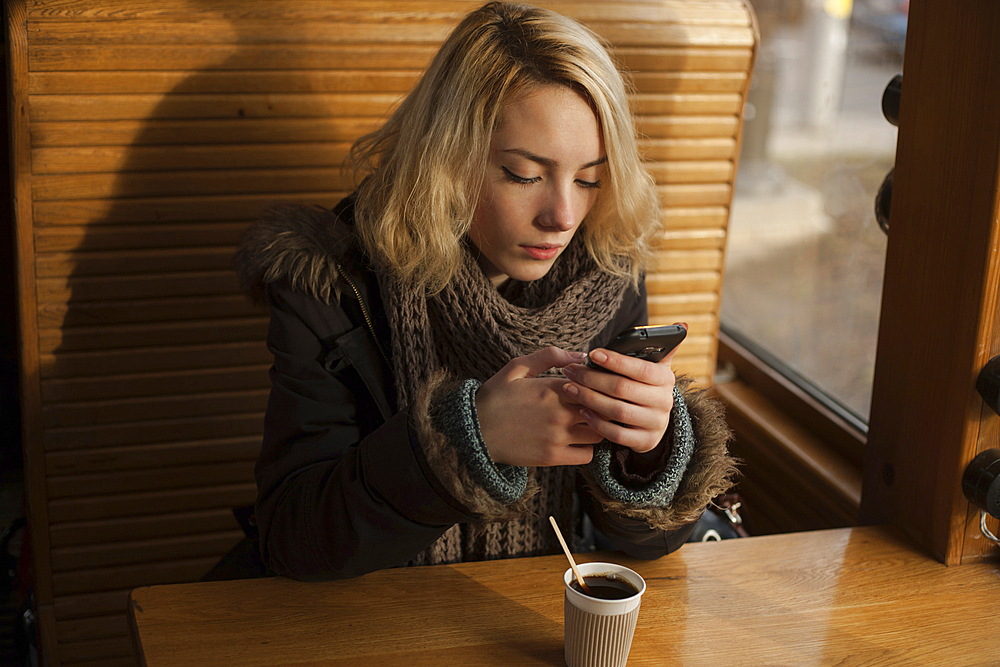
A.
pixel 883 202
pixel 988 383
pixel 981 482
pixel 890 100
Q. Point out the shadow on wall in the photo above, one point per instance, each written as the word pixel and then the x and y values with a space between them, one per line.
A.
pixel 158 380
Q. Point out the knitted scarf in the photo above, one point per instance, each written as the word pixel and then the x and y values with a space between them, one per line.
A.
pixel 472 330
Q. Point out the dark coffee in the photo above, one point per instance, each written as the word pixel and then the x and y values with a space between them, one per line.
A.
pixel 606 586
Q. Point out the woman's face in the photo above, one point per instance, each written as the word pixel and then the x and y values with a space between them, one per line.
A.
pixel 545 167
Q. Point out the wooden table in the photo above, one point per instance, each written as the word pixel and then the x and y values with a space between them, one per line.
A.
pixel 856 596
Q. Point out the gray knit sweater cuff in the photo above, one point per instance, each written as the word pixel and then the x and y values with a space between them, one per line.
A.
pixel 659 492
pixel 454 415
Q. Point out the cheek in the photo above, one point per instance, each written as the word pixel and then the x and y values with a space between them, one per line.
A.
pixel 590 200
pixel 497 216
pixel 586 207
pixel 482 211
pixel 485 230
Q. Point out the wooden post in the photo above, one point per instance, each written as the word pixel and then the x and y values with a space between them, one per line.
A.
pixel 30 373
pixel 939 306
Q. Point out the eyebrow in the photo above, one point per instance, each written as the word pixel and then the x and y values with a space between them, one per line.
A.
pixel 549 162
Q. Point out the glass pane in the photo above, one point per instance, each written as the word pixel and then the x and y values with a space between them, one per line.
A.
pixel 805 254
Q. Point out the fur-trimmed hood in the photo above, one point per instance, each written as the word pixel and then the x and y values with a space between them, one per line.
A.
pixel 304 245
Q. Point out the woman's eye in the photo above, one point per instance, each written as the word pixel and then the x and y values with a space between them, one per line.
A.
pixel 589 185
pixel 520 180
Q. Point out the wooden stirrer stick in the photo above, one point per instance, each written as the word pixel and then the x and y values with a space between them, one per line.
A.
pixel 572 563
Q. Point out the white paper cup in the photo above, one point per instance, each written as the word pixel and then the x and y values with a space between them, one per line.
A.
pixel 598 633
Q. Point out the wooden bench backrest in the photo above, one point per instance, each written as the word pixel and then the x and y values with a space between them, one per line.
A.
pixel 146 135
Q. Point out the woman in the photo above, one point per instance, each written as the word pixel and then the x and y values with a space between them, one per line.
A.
pixel 428 400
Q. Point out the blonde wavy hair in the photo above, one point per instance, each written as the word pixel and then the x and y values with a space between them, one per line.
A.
pixel 425 165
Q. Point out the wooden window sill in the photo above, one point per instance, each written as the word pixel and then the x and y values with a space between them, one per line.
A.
pixel 802 468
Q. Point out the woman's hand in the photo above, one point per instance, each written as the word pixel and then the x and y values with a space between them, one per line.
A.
pixel 630 405
pixel 530 421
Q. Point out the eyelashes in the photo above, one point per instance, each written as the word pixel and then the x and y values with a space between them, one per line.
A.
pixel 520 180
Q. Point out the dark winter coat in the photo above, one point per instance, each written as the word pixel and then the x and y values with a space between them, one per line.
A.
pixel 345 481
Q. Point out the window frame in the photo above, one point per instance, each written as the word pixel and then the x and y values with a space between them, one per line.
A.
pixel 943 266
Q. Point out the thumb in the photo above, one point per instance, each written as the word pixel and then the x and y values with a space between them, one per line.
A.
pixel 538 362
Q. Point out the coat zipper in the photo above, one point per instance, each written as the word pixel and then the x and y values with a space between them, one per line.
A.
pixel 364 312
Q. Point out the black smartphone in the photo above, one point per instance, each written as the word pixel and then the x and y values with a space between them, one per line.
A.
pixel 651 343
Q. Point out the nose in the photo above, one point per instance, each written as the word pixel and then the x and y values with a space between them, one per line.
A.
pixel 559 210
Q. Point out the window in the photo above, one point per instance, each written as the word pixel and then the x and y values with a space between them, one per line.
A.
pixel 805 255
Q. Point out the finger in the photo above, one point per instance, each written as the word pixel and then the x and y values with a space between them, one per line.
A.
pixel 624 412
pixel 641 370
pixel 583 434
pixel 536 363
pixel 653 388
pixel 639 440
pixel 629 403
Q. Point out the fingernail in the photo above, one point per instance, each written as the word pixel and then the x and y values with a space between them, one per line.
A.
pixel 598 356
pixel 569 372
pixel 571 389
pixel 587 414
pixel 579 356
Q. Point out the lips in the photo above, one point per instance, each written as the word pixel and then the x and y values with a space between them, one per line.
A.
pixel 542 251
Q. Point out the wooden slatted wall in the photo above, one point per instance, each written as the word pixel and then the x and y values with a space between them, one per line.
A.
pixel 146 135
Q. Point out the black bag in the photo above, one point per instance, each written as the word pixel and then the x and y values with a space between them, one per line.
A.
pixel 721 521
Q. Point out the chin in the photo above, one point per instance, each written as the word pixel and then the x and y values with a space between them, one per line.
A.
pixel 531 273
